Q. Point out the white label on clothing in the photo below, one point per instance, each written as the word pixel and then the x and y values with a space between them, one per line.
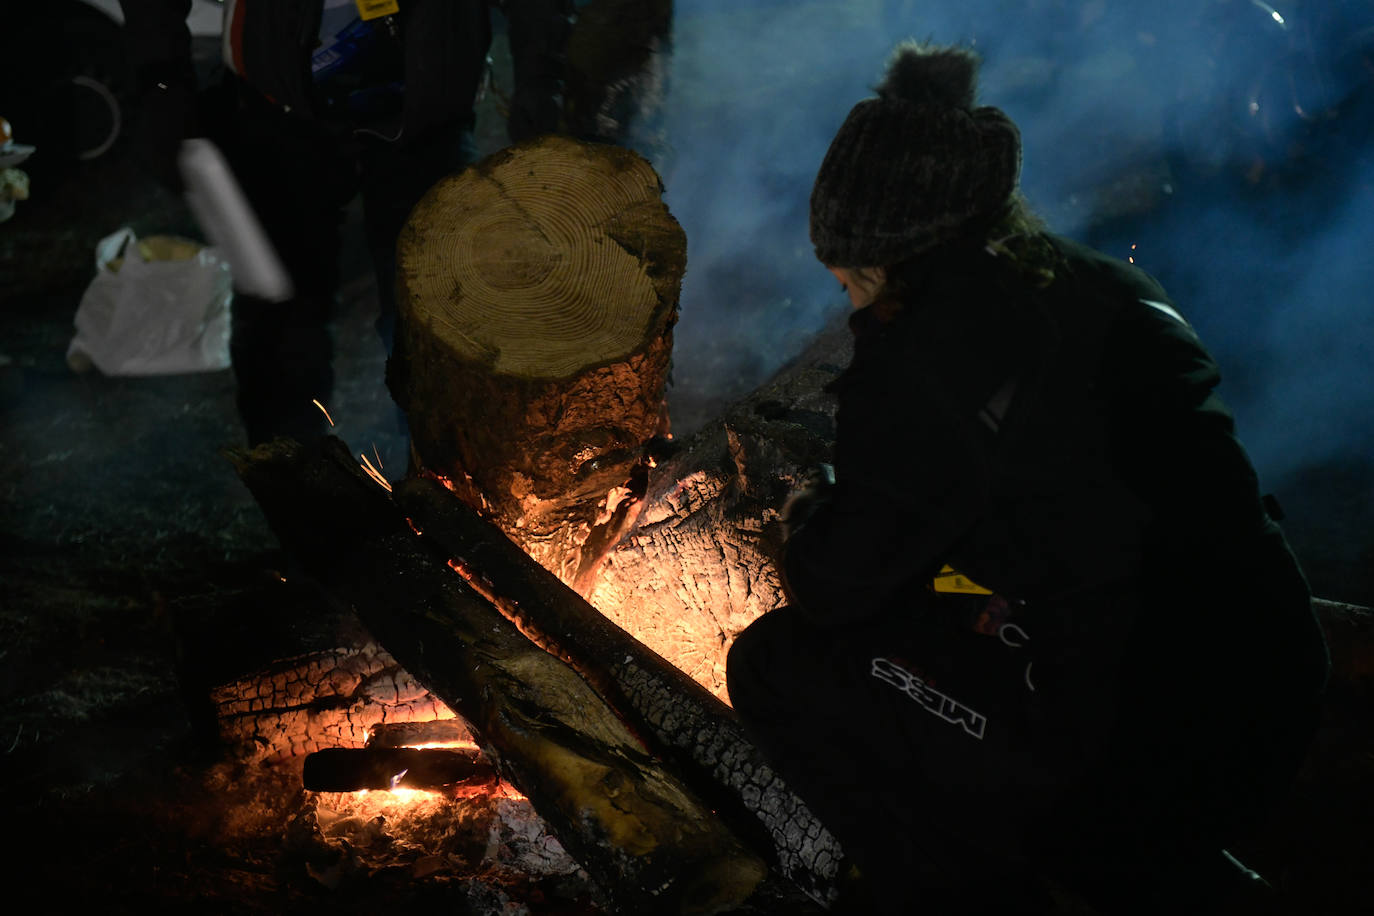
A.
pixel 930 699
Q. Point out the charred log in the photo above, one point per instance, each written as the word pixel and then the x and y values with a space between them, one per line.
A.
pixel 537 294
pixel 342 769
pixel 699 566
pixel 627 820
pixel 436 733
pixel 681 720
pixel 326 698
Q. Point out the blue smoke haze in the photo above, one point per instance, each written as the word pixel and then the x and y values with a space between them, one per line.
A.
pixel 1230 149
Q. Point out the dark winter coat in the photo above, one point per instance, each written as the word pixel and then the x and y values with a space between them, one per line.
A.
pixel 1053 445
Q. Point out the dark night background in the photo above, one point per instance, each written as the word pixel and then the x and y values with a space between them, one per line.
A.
pixel 1225 145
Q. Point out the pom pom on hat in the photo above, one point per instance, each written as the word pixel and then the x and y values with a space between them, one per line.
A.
pixel 940 77
pixel 915 167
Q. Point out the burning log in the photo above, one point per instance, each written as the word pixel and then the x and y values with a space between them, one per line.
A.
pixel 537 295
pixel 344 769
pixel 681 720
pixel 647 840
pixel 699 566
pixel 331 697
pixel 434 733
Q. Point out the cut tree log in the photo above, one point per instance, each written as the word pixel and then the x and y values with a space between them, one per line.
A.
pixel 646 839
pixel 537 292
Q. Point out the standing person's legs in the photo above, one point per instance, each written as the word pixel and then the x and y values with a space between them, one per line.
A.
pixel 394 178
pixel 298 174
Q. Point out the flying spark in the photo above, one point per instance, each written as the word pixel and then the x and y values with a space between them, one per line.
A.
pixel 316 402
pixel 374 473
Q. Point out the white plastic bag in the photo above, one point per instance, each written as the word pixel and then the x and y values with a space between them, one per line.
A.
pixel 145 315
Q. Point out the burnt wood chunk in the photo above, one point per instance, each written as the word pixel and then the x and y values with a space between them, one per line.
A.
pixel 341 769
pixel 636 828
pixel 325 698
pixel 434 733
pixel 537 292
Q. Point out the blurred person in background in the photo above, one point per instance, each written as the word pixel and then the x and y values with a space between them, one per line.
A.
pixel 323 100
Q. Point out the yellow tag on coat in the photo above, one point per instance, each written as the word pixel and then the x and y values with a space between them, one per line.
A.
pixel 949 581
pixel 375 9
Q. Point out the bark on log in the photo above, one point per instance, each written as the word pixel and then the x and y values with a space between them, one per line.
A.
pixel 537 292
pixel 699 567
pixel 681 720
pixel 646 839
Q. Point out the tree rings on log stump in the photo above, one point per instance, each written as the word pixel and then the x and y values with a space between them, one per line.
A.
pixel 537 292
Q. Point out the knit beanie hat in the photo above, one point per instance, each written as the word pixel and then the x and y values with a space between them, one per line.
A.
pixel 915 167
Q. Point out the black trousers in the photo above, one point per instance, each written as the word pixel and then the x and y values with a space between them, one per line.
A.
pixel 959 767
pixel 299 173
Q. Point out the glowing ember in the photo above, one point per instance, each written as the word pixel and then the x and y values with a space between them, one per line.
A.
pixel 614 498
pixel 481 785
pixel 402 801
pixel 428 834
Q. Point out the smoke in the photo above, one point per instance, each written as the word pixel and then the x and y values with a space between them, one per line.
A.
pixel 1228 141
pixel 755 93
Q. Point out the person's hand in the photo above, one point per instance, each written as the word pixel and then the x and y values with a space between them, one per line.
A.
pixel 806 499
